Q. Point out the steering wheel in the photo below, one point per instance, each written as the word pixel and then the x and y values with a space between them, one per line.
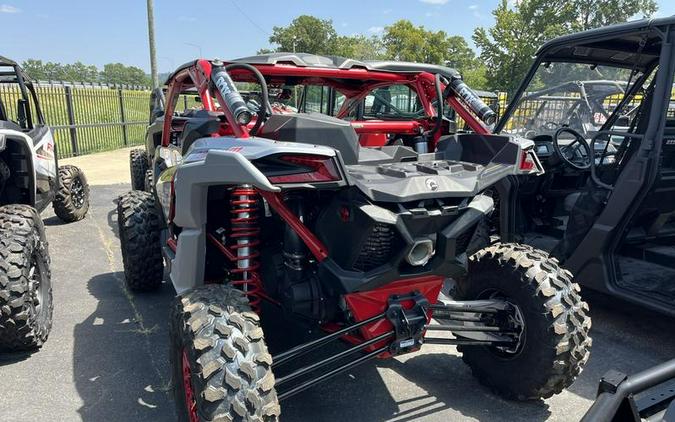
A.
pixel 567 152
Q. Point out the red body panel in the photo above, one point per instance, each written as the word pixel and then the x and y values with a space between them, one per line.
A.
pixel 373 139
pixel 364 305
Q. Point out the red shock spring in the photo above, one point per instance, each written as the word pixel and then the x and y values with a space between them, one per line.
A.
pixel 244 234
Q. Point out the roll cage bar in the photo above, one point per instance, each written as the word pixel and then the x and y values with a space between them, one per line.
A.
pixel 355 82
pixel 12 73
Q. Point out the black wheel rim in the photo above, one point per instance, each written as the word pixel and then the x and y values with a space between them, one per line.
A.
pixel 78 193
pixel 39 289
pixel 513 320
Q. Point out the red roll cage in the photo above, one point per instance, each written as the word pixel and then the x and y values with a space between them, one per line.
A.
pixel 355 83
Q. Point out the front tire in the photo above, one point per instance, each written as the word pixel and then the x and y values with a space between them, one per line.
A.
pixel 26 305
pixel 138 165
pixel 220 363
pixel 139 229
pixel 71 202
pixel 554 345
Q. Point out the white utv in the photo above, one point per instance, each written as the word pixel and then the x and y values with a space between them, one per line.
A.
pixel 30 179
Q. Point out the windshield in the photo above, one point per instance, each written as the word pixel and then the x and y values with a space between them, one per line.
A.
pixel 574 95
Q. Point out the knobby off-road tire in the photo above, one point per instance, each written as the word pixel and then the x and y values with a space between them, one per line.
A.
pixel 555 344
pixel 138 165
pixel 219 357
pixel 148 184
pixel 26 305
pixel 71 202
pixel 139 229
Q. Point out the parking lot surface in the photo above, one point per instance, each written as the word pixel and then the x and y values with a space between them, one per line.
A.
pixel 107 356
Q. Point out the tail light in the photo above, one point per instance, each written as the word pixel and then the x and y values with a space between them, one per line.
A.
pixel 316 168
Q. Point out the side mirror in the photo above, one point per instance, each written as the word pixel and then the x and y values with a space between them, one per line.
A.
pixel 22 113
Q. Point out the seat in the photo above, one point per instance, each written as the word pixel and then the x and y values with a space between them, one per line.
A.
pixel 317 129
pixel 203 124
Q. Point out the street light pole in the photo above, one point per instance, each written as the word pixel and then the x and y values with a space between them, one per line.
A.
pixel 151 40
pixel 198 47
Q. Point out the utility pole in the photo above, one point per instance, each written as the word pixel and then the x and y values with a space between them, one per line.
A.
pixel 295 87
pixel 151 40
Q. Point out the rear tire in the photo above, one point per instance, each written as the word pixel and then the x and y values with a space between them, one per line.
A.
pixel 139 229
pixel 71 202
pixel 148 186
pixel 138 165
pixel 220 364
pixel 26 305
pixel 555 344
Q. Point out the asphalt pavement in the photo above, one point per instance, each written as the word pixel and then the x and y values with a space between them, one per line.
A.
pixel 107 356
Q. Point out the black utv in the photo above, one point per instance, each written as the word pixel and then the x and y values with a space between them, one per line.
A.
pixel 30 179
pixel 605 206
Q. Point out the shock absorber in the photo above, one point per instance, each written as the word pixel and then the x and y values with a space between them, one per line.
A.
pixel 244 234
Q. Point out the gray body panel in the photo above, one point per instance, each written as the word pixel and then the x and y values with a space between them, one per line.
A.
pixel 41 165
pixel 209 162
pixel 381 176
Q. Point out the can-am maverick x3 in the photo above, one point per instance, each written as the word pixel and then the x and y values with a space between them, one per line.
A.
pixel 256 214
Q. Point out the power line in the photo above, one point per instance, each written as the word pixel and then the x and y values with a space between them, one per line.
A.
pixel 248 18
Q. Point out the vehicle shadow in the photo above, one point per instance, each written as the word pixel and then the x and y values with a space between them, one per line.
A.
pixel 433 384
pixel 53 221
pixel 449 381
pixel 626 338
pixel 14 357
pixel 120 354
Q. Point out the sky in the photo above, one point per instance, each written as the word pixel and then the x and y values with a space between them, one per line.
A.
pixel 98 32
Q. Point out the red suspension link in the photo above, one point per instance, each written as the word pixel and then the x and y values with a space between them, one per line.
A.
pixel 243 244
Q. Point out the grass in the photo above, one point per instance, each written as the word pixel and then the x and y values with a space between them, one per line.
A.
pixel 97 116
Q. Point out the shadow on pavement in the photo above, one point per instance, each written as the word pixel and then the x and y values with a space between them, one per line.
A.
pixel 120 354
pixel 53 221
pixel 626 338
pixel 111 218
pixel 448 380
pixel 10 358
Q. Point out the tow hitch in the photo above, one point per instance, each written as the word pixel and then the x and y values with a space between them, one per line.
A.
pixel 473 323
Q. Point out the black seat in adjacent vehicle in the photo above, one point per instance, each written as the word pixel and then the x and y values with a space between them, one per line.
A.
pixel 317 129
pixel 202 124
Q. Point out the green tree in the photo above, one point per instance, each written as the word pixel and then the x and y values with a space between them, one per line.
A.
pixel 80 72
pixel 306 34
pixel 595 14
pixel 54 71
pixel 359 47
pixel 458 54
pixel 34 68
pixel 508 46
pixel 405 41
pixel 117 73
pixel 475 76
